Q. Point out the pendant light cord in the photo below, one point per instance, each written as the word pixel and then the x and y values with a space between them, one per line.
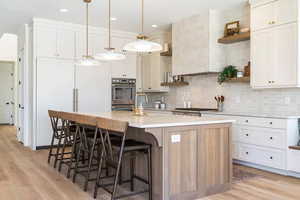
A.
pixel 142 24
pixel 109 24
pixel 87 29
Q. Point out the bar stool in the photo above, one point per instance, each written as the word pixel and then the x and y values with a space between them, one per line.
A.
pixel 113 152
pixel 69 128
pixel 87 146
pixel 58 134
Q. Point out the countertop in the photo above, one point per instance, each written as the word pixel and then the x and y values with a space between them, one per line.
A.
pixel 157 120
pixel 262 115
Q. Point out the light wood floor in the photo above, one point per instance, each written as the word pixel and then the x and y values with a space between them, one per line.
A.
pixel 25 175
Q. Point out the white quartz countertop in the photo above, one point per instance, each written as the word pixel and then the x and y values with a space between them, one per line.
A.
pixel 262 115
pixel 157 120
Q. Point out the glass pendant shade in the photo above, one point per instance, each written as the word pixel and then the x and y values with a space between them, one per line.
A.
pixel 87 61
pixel 142 46
pixel 110 55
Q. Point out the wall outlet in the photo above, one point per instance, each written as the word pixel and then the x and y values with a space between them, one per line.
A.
pixel 287 100
pixel 175 138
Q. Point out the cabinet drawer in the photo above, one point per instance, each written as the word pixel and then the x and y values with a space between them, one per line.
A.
pixel 263 156
pixel 262 122
pixel 263 137
pixel 294 160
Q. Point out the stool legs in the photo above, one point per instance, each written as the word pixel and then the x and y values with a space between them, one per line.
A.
pixel 73 153
pixel 57 152
pixel 51 149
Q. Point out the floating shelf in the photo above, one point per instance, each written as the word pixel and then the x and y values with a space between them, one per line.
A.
pixel 174 84
pixel 294 147
pixel 235 38
pixel 245 79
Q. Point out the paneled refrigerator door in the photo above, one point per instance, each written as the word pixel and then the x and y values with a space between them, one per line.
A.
pixel 55 83
pixel 93 84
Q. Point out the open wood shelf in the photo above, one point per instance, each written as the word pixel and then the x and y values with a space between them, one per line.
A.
pixel 294 147
pixel 174 84
pixel 245 79
pixel 235 38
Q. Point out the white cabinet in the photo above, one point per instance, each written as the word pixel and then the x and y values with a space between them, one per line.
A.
pixel 274 55
pixel 263 142
pixel 52 42
pixel 124 68
pixel 54 90
pixel 153 70
pixel 273 13
pixel 93 84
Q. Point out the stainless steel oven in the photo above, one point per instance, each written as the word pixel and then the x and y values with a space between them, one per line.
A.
pixel 123 94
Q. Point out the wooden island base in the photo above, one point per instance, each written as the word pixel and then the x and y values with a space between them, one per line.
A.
pixel 188 162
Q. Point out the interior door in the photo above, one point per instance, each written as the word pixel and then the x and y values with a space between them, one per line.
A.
pixel 286 57
pixel 55 83
pixel 262 58
pixel 93 84
pixel 6 92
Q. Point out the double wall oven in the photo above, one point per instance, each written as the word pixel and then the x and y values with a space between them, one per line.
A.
pixel 123 94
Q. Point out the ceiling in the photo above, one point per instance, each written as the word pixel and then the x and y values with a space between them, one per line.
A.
pixel 160 12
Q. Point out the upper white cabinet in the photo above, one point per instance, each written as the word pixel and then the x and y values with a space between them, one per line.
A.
pixel 274 46
pixel 195 47
pixel 52 41
pixel 125 68
pixel 273 13
pixel 153 69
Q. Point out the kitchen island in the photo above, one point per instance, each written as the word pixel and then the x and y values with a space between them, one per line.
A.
pixel 191 155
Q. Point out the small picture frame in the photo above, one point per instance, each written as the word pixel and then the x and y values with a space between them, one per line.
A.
pixel 232 28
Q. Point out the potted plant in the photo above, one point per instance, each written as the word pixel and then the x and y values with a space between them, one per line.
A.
pixel 228 73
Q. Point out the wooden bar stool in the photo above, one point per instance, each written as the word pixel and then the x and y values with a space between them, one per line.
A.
pixel 87 146
pixel 113 152
pixel 58 134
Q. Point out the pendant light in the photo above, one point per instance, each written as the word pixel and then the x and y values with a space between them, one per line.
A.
pixel 142 45
pixel 87 60
pixel 110 54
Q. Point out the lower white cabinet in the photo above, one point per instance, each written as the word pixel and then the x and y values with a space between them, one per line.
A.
pixel 264 142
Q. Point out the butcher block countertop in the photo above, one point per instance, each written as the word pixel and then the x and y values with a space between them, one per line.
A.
pixel 158 120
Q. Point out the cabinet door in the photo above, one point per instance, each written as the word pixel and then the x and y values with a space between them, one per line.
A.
pixel 139 74
pixel 286 11
pixel 286 57
pixel 262 58
pixel 46 42
pixel 262 16
pixel 123 68
pixel 55 83
pixel 94 88
pixel 66 44
pixel 146 72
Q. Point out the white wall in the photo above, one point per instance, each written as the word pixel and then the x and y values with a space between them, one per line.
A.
pixel 9 52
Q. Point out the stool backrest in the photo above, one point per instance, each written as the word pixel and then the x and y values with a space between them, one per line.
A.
pixel 84 119
pixel 112 125
pixel 55 118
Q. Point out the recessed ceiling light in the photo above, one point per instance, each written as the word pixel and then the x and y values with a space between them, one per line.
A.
pixel 113 19
pixel 63 10
pixel 154 26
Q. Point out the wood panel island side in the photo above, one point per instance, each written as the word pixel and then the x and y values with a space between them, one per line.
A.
pixel 191 156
